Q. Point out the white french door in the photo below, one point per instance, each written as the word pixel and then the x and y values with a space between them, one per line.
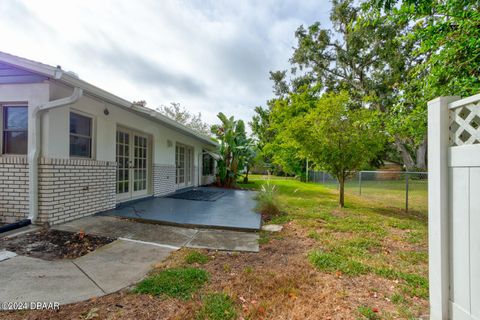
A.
pixel 184 166
pixel 133 165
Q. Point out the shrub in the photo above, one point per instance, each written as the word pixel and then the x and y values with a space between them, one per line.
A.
pixel 267 201
pixel 176 282
pixel 217 306
pixel 196 257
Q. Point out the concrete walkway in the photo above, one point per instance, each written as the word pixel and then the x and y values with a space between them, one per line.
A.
pixel 106 270
pixel 109 268
pixel 174 237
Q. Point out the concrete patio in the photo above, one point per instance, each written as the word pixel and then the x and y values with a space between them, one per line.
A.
pixel 167 236
pixel 234 209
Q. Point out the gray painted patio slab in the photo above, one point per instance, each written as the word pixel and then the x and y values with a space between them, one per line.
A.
pixel 234 210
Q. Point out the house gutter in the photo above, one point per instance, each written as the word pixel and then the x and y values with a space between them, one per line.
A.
pixel 35 149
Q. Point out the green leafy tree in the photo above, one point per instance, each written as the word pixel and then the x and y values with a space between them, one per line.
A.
pixel 250 158
pixel 367 58
pixel 180 114
pixel 234 146
pixel 339 139
pixel 443 42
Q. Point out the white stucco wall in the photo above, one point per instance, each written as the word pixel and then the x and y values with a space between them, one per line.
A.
pixel 31 94
pixel 56 131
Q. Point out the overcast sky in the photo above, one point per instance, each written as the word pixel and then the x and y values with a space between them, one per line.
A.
pixel 210 56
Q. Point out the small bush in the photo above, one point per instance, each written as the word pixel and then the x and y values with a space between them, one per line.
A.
pixel 217 306
pixel 330 262
pixel 176 282
pixel 267 201
pixel 196 257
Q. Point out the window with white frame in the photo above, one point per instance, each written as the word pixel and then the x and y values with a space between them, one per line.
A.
pixel 80 135
pixel 14 129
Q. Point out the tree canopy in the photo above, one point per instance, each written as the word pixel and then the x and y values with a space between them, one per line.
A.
pixel 391 56
pixel 339 139
pixel 180 114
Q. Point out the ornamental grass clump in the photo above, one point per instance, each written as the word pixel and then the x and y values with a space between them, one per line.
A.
pixel 267 201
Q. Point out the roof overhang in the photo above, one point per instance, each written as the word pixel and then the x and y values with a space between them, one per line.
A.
pixel 60 75
pixel 214 155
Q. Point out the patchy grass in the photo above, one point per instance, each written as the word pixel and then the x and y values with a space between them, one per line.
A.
pixel 217 306
pixel 331 262
pixel 196 257
pixel 368 313
pixel 365 261
pixel 176 283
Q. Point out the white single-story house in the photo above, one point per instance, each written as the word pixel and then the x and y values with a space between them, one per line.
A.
pixel 70 149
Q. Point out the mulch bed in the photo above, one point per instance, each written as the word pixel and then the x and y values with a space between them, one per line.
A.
pixel 49 244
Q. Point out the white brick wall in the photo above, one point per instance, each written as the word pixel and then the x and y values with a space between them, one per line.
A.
pixel 70 188
pixel 163 179
pixel 13 188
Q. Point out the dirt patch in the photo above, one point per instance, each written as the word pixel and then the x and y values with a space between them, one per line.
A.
pixel 49 244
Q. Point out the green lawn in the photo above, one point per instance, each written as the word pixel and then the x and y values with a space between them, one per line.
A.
pixel 371 235
pixel 387 193
pixel 368 260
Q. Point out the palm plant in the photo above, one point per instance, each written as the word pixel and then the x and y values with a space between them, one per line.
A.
pixel 233 148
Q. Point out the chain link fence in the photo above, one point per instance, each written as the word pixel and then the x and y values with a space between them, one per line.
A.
pixel 400 189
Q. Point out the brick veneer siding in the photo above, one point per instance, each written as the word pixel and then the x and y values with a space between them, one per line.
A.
pixel 163 179
pixel 71 188
pixel 13 188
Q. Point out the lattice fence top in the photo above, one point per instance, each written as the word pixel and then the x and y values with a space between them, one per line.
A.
pixel 465 124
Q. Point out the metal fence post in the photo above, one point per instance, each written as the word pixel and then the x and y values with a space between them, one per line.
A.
pixel 323 177
pixel 406 191
pixel 306 169
pixel 360 182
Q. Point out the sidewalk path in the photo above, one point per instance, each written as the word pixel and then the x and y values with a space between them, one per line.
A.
pixel 106 270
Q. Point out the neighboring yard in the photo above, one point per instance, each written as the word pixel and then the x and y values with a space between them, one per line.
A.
pixel 391 193
pixel 366 261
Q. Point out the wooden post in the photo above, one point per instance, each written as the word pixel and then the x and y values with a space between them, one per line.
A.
pixel 438 213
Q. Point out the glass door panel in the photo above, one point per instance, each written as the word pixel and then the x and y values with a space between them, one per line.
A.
pixel 132 155
pixel 123 164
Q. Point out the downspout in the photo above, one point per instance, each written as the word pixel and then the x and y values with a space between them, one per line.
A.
pixel 34 151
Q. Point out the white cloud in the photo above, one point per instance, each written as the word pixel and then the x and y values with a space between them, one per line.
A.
pixel 210 56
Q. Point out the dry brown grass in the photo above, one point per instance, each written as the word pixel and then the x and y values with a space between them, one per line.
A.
pixel 277 283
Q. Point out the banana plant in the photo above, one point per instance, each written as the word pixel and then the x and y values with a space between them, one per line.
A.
pixel 233 148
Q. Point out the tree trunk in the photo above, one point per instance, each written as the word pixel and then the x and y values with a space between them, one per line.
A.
pixel 406 156
pixel 341 182
pixel 422 155
pixel 245 179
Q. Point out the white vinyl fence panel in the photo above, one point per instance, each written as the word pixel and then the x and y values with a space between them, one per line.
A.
pixel 454 207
